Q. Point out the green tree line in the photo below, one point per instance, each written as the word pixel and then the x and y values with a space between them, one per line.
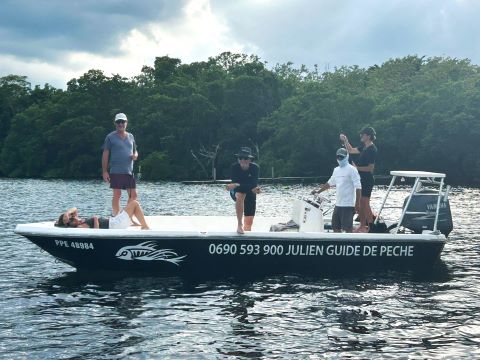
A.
pixel 190 118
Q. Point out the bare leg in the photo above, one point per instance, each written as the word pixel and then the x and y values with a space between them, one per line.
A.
pixel 369 213
pixel 364 203
pixel 134 208
pixel 132 195
pixel 248 223
pixel 117 194
pixel 239 207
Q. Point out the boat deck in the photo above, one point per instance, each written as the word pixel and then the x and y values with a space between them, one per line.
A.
pixel 204 227
pixel 207 223
pixel 187 224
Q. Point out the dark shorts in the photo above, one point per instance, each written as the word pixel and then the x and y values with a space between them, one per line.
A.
pixel 122 181
pixel 367 182
pixel 342 218
pixel 250 204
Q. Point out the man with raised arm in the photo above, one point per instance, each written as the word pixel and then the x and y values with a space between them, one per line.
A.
pixel 365 165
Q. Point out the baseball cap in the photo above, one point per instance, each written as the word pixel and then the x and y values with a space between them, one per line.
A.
pixel 342 152
pixel 121 116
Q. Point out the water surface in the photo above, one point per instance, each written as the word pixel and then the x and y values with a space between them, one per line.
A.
pixel 50 311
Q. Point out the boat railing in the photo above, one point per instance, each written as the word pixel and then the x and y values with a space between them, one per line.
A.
pixel 420 178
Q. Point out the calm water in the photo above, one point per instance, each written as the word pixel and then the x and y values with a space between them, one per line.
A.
pixel 47 311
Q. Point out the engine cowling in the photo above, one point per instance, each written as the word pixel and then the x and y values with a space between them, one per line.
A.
pixel 426 201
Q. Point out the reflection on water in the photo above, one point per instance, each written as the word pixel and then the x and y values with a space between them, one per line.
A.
pixel 50 311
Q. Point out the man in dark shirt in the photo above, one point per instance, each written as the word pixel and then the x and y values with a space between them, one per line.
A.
pixel 244 188
pixel 365 165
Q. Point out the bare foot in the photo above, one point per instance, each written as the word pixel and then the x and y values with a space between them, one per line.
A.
pixel 134 223
pixel 361 229
pixel 145 228
pixel 240 230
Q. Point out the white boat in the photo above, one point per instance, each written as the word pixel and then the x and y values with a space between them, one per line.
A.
pixel 195 245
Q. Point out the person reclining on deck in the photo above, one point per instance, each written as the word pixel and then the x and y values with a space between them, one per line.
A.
pixel 346 179
pixel 121 221
pixel 244 188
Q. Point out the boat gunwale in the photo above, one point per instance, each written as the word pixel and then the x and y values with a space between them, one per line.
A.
pixel 30 230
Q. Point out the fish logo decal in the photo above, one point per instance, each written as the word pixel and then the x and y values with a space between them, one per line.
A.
pixel 148 251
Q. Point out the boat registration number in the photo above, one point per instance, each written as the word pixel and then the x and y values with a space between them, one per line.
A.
pixel 74 244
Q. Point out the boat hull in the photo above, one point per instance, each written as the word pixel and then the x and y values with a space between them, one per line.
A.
pixel 243 255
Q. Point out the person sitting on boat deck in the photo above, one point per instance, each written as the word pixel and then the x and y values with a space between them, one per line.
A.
pixel 121 221
pixel 244 188
pixel 347 181
pixel 365 166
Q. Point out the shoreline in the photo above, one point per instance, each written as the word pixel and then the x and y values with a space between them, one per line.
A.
pixel 380 180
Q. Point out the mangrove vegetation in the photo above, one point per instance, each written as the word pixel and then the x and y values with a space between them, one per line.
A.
pixel 189 119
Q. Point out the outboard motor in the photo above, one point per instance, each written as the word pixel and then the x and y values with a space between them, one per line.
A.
pixel 425 202
pixel 308 215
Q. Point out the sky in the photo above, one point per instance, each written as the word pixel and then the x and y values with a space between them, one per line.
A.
pixel 53 41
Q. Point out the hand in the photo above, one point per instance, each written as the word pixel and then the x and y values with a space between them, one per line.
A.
pixel 106 176
pixel 232 186
pixel 69 214
pixel 72 211
pixel 134 157
pixel 256 190
pixel 355 165
pixel 357 208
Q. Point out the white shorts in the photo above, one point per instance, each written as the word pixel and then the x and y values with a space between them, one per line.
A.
pixel 121 221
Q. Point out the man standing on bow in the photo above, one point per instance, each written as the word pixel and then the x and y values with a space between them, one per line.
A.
pixel 244 188
pixel 346 179
pixel 119 153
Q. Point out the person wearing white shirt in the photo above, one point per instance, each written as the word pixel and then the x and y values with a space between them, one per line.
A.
pixel 346 180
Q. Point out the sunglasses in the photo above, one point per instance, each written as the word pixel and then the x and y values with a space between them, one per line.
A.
pixel 340 157
pixel 243 158
pixel 120 122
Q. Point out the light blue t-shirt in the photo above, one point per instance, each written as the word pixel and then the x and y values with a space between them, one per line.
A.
pixel 120 153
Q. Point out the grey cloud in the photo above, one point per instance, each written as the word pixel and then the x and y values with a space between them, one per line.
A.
pixel 333 32
pixel 361 33
pixel 43 29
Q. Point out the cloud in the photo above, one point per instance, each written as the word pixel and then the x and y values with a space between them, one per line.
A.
pixel 45 29
pixel 38 72
pixel 197 34
pixel 347 32
pixel 55 40
pixel 125 41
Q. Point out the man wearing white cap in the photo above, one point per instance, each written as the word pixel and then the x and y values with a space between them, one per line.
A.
pixel 346 179
pixel 119 153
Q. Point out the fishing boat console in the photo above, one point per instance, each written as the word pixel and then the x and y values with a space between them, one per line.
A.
pixel 194 245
